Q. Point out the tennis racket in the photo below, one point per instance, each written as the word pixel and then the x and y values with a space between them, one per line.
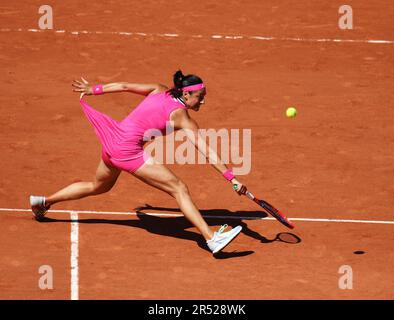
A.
pixel 266 206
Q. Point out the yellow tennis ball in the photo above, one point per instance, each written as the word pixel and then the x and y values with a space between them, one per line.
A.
pixel 291 112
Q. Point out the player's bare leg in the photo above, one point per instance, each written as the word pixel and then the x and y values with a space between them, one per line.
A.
pixel 103 181
pixel 159 176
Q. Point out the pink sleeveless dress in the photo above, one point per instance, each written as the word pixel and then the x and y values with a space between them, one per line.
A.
pixel 122 142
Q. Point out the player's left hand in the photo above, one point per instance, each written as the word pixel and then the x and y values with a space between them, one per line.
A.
pixel 82 87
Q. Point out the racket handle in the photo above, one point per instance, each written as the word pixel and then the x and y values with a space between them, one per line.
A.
pixel 240 191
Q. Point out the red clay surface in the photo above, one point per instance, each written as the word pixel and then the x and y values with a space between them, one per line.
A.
pixel 335 160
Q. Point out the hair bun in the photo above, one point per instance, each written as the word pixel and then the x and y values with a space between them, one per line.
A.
pixel 178 78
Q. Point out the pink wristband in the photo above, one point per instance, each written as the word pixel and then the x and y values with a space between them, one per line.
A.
pixel 98 89
pixel 229 175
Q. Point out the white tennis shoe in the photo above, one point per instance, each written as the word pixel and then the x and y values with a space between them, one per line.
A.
pixel 38 206
pixel 221 239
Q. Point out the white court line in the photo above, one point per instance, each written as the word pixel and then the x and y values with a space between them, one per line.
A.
pixel 214 36
pixel 206 216
pixel 74 256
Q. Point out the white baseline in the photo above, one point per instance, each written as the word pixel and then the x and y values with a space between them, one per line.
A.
pixel 205 216
pixel 213 36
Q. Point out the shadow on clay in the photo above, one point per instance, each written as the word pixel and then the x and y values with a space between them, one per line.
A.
pixel 176 226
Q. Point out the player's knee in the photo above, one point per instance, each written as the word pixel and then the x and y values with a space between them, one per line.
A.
pixel 99 188
pixel 179 187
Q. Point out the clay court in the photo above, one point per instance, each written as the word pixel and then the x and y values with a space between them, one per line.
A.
pixel 330 169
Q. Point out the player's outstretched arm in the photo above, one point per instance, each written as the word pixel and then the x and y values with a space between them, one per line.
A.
pixel 139 88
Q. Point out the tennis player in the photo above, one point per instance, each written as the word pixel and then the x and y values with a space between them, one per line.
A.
pixel 122 148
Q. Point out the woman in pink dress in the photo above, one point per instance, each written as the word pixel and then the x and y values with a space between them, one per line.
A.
pixel 122 148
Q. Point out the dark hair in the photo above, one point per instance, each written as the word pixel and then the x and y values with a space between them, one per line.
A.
pixel 181 81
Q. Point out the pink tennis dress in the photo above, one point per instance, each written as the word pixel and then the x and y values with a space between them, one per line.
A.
pixel 122 142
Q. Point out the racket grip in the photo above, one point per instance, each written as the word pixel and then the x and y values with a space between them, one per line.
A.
pixel 240 191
